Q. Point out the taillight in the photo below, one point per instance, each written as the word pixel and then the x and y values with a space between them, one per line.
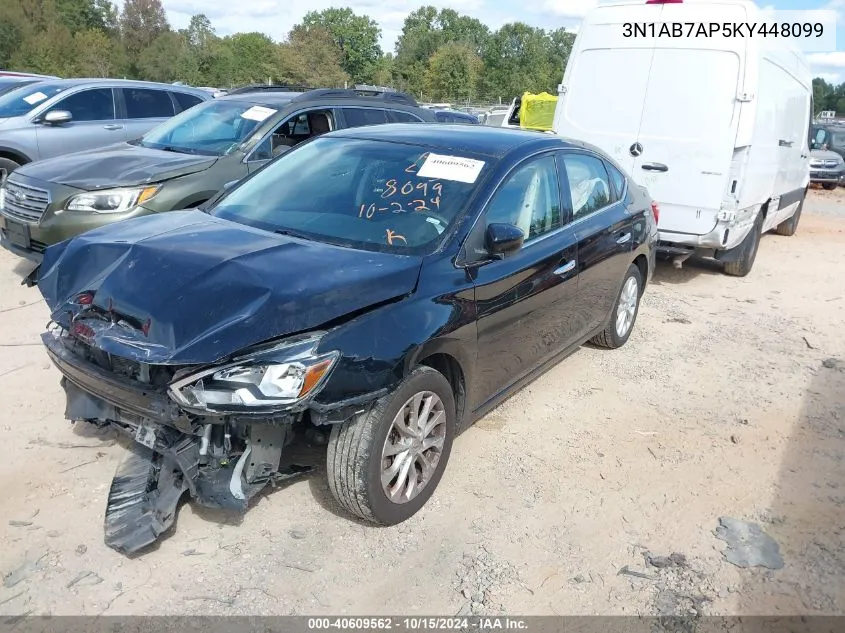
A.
pixel 655 211
pixel 85 299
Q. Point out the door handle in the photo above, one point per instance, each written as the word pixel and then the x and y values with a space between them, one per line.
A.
pixel 112 126
pixel 784 143
pixel 655 167
pixel 624 238
pixel 567 267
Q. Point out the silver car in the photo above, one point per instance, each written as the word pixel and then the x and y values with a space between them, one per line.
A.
pixel 54 117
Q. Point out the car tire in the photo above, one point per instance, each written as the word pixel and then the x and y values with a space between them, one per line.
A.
pixel 830 186
pixel 750 245
pixel 788 227
pixel 363 451
pixel 624 314
pixel 8 164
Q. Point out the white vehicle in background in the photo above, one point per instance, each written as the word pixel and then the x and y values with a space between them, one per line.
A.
pixel 716 128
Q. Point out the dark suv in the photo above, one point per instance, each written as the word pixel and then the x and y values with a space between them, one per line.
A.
pixel 179 164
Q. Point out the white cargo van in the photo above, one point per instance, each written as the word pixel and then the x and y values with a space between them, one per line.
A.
pixel 716 128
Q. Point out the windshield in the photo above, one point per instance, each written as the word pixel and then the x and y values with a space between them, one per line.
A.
pixel 213 128
pixel 838 139
pixel 23 100
pixel 373 195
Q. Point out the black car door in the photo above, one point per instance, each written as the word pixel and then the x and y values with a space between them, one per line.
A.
pixel 604 231
pixel 524 301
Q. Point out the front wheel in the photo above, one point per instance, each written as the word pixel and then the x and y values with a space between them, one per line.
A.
pixel 624 312
pixel 830 186
pixel 384 465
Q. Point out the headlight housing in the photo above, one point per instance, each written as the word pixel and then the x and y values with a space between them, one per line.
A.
pixel 111 200
pixel 269 379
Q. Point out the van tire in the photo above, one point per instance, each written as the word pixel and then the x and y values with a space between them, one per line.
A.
pixel 8 164
pixel 788 227
pixel 830 186
pixel 750 245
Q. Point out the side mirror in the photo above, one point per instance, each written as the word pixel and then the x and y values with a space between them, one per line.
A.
pixel 502 240
pixel 57 117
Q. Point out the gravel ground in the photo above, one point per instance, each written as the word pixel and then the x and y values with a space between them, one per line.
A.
pixel 727 402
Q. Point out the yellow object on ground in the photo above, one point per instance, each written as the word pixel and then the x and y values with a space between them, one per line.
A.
pixel 537 112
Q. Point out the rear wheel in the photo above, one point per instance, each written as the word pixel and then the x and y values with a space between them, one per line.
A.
pixel 624 312
pixel 384 465
pixel 748 251
pixel 788 227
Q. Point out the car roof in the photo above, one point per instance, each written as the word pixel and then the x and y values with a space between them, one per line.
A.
pixel 472 139
pixel 129 83
pixel 264 97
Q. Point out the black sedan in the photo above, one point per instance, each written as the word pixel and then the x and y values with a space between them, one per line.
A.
pixel 390 283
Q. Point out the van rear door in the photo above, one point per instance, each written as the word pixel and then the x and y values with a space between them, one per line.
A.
pixel 604 86
pixel 687 135
pixel 690 118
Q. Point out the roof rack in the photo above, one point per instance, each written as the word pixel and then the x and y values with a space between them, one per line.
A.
pixel 339 93
pixel 267 88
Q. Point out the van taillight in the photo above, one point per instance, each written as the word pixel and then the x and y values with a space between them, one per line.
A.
pixel 655 211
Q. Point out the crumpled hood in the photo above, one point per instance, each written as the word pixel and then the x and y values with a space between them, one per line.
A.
pixel 120 165
pixel 188 288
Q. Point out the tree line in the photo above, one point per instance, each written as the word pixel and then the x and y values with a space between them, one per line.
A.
pixel 440 55
pixel 828 96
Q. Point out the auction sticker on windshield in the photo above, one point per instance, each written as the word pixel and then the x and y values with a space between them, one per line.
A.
pixel 451 168
pixel 258 113
pixel 35 97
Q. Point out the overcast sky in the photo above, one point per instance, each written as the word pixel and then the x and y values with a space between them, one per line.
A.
pixel 276 17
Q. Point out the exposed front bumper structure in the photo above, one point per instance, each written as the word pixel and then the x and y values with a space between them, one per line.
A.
pixel 222 461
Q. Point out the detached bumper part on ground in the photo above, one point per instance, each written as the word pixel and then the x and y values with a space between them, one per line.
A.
pixel 221 462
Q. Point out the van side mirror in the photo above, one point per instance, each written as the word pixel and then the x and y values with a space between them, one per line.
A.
pixel 57 117
pixel 502 240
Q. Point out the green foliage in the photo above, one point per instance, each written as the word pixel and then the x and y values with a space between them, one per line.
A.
pixel 453 72
pixel 355 35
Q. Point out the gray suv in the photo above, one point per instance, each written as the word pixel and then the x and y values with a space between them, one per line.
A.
pixel 55 117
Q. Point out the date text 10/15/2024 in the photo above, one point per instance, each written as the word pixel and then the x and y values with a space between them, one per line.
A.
pixel 483 623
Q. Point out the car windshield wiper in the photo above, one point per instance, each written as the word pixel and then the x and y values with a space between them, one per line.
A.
pixel 292 233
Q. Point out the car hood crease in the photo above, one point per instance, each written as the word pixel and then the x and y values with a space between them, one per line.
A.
pixel 121 165
pixel 188 288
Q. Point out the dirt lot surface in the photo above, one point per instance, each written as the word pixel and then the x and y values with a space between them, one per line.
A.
pixel 728 401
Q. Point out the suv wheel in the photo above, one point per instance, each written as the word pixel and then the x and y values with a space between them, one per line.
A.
pixel 8 164
pixel 384 465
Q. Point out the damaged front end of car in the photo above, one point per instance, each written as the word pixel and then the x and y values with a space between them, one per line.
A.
pixel 217 432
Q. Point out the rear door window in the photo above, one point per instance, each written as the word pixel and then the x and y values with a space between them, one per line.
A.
pixel 185 100
pixel 589 186
pixel 96 104
pixel 142 103
pixel 397 116
pixel 617 180
pixel 358 117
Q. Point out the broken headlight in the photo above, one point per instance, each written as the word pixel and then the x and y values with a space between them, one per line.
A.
pixel 280 375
